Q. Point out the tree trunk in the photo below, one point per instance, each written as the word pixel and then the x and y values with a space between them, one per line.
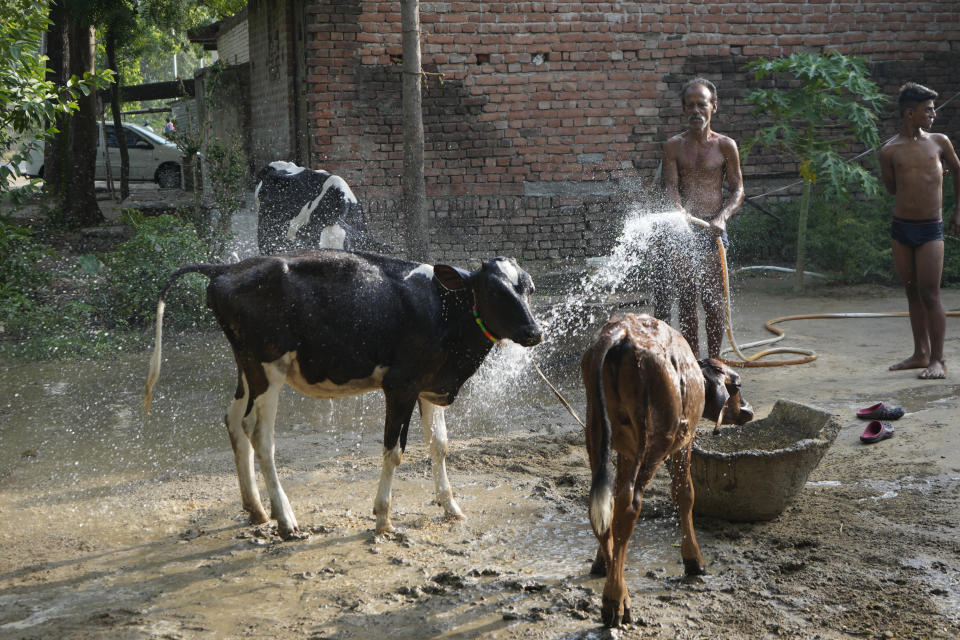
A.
pixel 802 234
pixel 80 208
pixel 55 170
pixel 414 191
pixel 111 46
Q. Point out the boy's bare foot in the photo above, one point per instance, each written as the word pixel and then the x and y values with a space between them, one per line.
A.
pixel 936 371
pixel 913 362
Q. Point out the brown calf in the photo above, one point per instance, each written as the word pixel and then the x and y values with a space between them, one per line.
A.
pixel 646 393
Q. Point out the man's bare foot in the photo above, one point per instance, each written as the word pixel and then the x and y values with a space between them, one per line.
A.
pixel 936 371
pixel 913 362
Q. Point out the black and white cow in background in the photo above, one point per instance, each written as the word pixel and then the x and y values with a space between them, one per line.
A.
pixel 336 323
pixel 305 209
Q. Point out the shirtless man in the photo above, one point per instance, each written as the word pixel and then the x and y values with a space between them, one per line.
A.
pixel 912 166
pixel 696 164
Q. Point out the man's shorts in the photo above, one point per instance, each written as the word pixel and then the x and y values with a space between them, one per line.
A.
pixel 915 233
pixel 705 241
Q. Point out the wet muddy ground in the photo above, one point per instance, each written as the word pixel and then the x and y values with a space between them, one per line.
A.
pixel 112 528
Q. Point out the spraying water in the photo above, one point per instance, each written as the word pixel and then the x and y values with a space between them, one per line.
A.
pixel 640 254
pixel 644 253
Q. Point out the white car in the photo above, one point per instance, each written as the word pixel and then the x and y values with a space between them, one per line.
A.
pixel 153 158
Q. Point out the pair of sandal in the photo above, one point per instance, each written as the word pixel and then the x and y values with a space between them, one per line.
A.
pixel 878 429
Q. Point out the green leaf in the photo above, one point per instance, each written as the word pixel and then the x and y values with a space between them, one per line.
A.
pixel 815 106
pixel 89 263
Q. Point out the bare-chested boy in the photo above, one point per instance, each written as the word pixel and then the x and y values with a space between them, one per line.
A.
pixel 912 165
pixel 696 164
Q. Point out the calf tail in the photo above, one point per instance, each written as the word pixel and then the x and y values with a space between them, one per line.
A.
pixel 601 487
pixel 153 374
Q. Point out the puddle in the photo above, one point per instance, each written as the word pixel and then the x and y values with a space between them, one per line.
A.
pixel 918 398
pixel 926 486
pixel 93 422
pixel 942 579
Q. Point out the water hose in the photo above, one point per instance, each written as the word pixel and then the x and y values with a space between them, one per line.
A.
pixel 751 361
pixel 811 274
pixel 808 355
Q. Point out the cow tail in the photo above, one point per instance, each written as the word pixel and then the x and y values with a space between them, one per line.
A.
pixel 601 487
pixel 153 374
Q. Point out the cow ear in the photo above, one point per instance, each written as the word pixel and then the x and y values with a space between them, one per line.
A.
pixel 449 278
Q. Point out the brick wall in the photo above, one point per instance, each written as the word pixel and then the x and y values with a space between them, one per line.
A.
pixel 226 94
pixel 233 44
pixel 271 114
pixel 548 121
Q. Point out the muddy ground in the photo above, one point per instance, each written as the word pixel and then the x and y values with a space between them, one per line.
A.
pixel 102 539
pixel 110 528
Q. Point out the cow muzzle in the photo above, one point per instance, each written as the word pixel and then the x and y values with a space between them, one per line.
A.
pixel 738 411
pixel 529 337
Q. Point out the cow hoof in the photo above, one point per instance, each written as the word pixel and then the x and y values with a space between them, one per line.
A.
pixel 257 516
pixel 450 508
pixel 693 568
pixel 611 613
pixel 297 535
pixel 384 528
pixel 599 567
pixel 292 533
pixel 453 512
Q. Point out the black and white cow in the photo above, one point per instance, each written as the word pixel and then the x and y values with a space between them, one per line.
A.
pixel 335 323
pixel 305 209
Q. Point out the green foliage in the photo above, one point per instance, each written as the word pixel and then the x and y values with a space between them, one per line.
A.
pixel 26 99
pixel 146 55
pixel 18 196
pixel 849 241
pixel 28 102
pixel 831 103
pixel 20 278
pixel 134 273
pixel 185 14
pixel 59 331
pixel 226 173
pixel 103 299
pixel 19 255
pixel 226 167
pixel 32 325
pixel 160 31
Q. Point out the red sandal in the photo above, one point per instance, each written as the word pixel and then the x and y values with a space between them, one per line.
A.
pixel 876 431
pixel 880 411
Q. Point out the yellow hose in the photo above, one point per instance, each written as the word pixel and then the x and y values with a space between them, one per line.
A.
pixel 808 355
pixel 751 361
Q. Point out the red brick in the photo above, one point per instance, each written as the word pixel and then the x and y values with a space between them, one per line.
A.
pixel 602 90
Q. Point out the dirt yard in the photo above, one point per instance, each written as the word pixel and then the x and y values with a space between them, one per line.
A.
pixel 101 540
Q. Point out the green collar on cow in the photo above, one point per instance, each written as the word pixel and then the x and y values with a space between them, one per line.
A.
pixel 483 327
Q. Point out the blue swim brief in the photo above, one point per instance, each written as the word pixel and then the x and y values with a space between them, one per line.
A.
pixel 915 233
